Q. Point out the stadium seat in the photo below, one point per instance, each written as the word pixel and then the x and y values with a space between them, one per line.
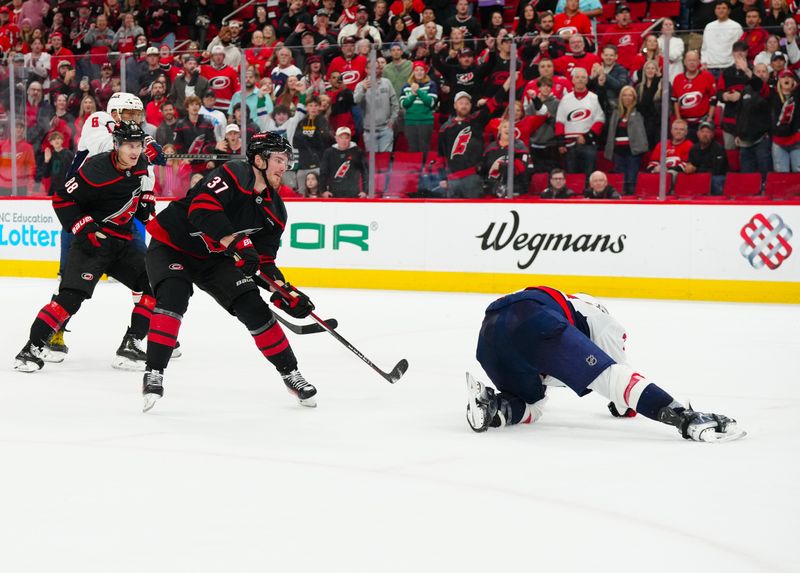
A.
pixel 407 161
pixel 609 11
pixel 539 183
pixel 576 182
pixel 690 186
pixel 742 186
pixel 617 181
pixel 647 186
pixel 380 185
pixel 401 184
pixel 638 11
pixel 783 185
pixel 668 9
pixel 382 159
pixel 734 163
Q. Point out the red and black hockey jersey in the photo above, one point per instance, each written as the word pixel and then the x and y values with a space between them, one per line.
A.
pixel 223 203
pixel 343 172
pixel 461 141
pixel 103 191
pixel 694 96
pixel 676 158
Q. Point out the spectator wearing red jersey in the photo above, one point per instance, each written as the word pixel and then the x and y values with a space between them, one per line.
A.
pixel 125 36
pixel 258 54
pixel 694 93
pixel 102 89
pixel 579 123
pixel 678 148
pixel 223 79
pixel 560 84
pixel 626 36
pixel 572 21
pixel 59 53
pixel 755 36
pixel 152 109
pixel 351 68
pixel 26 165
pixel 577 58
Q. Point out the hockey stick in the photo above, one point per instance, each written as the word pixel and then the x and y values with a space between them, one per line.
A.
pixel 391 377
pixel 306 328
pixel 203 156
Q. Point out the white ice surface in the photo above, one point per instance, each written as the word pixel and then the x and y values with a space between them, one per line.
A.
pixel 229 474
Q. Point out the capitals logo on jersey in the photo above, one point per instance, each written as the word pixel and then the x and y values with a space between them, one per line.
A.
pixel 462 141
pixel 342 171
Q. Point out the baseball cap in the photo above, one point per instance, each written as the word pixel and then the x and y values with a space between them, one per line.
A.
pixel 106 65
pixel 343 130
pixel 313 59
pixel 361 8
pixel 84 4
pixel 349 40
pixel 232 127
pixel 217 50
pixel 53 35
pixel 459 95
pixel 706 125
pixel 778 56
pixel 323 12
pixel 787 74
pixel 420 64
pixel 209 93
pixel 466 52
pixel 152 51
pixel 622 8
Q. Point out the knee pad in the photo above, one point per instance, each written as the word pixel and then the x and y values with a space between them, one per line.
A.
pixel 70 300
pixel 172 295
pixel 251 310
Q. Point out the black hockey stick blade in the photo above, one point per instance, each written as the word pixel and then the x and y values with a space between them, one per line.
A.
pixel 391 377
pixel 306 328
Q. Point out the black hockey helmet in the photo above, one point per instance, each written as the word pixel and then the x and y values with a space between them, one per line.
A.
pixel 127 131
pixel 266 143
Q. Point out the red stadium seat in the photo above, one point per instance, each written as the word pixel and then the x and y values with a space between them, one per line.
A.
pixel 647 186
pixel 734 163
pixel 609 11
pixel 407 161
pixel 401 184
pixel 380 185
pixel 668 9
pixel 382 159
pixel 691 186
pixel 576 182
pixel 617 181
pixel 742 186
pixel 539 183
pixel 783 185
pixel 638 10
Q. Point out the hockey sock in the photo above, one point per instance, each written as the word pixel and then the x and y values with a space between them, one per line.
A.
pixel 162 337
pixel 49 320
pixel 629 389
pixel 272 343
pixel 141 315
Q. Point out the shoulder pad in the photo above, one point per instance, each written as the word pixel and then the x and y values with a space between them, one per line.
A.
pixel 98 170
pixel 241 173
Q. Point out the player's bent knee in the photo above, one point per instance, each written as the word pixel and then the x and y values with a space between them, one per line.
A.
pixel 70 300
pixel 173 295
pixel 621 384
pixel 251 310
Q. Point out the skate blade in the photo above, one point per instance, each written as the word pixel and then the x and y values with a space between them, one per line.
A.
pixel 732 433
pixel 476 417
pixel 26 367
pixel 123 363
pixel 176 353
pixel 308 402
pixel 150 401
pixel 54 356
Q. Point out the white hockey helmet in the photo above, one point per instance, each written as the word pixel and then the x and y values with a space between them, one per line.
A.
pixel 124 100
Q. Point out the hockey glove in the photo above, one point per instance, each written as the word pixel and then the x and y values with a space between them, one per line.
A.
pixel 245 254
pixel 154 152
pixel 297 304
pixel 147 206
pixel 629 413
pixel 88 235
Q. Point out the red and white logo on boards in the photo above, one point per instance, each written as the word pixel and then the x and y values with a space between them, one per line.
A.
pixel 766 241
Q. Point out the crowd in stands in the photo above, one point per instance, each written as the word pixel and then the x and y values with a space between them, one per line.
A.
pixel 587 90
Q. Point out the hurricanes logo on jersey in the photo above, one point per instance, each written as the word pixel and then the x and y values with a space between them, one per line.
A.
pixel 690 100
pixel 465 78
pixel 215 247
pixel 579 114
pixel 126 213
pixel 462 141
pixel 351 77
pixel 625 40
pixel 787 112
pixel 342 171
pixel 219 82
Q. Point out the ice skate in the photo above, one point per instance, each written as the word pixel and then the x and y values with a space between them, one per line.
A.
pixel 29 359
pixel 481 405
pixel 55 350
pixel 131 354
pixel 699 426
pixel 176 352
pixel 298 386
pixel 152 388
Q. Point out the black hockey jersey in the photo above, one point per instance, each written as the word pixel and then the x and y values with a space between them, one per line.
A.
pixel 223 203
pixel 461 141
pixel 343 173
pixel 103 191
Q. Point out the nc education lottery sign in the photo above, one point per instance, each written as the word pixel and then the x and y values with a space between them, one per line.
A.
pixel 29 230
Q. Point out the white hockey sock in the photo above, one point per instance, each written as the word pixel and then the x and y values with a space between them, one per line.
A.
pixel 622 385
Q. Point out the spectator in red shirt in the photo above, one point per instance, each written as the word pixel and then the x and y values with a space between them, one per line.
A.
pixel 102 89
pixel 26 165
pixel 694 93
pixel 754 35
pixel 572 21
pixel 59 53
pixel 351 68
pixel 626 36
pixel 152 110
pixel 577 58
pixel 678 148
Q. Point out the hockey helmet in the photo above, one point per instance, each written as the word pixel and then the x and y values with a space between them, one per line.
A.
pixel 123 100
pixel 127 131
pixel 265 144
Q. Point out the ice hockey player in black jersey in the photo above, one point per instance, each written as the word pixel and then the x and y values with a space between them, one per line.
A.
pixel 540 337
pixel 98 206
pixel 218 237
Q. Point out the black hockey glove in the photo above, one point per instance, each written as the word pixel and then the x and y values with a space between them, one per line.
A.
pixel 88 235
pixel 245 254
pixel 629 413
pixel 297 304
pixel 147 206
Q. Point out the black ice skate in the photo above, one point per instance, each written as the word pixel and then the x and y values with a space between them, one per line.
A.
pixel 131 354
pixel 55 349
pixel 699 426
pixel 29 358
pixel 298 386
pixel 152 388
pixel 482 406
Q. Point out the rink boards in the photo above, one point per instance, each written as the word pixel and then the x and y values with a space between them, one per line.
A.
pixel 723 251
